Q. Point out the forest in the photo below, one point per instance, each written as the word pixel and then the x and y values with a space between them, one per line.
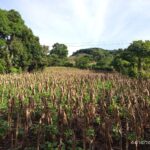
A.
pixel 95 99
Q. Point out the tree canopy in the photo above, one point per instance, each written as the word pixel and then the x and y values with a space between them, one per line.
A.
pixel 58 55
pixel 60 50
pixel 134 60
pixel 19 47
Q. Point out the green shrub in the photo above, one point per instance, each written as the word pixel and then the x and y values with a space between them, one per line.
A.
pixel 68 64
pixel 2 66
pixel 82 62
pixel 3 127
pixel 14 70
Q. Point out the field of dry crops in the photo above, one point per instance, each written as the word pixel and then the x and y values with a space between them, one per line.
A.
pixel 71 109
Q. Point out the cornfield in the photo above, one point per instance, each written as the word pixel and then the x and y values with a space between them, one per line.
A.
pixel 71 109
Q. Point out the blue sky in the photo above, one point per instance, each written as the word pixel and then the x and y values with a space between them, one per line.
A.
pixel 85 23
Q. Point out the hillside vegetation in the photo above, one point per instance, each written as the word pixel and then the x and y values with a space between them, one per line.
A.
pixel 133 61
pixel 93 58
pixel 20 51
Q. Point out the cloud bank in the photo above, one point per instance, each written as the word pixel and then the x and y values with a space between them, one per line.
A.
pixel 85 23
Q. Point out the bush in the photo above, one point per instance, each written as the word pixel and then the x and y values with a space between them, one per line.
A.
pixel 68 64
pixel 14 70
pixel 132 72
pixel 102 68
pixel 82 62
pixel 145 74
pixel 2 66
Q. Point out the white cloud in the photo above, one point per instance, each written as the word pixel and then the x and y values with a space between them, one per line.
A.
pixel 76 21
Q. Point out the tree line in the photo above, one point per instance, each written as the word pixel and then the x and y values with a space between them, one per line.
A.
pixel 133 61
pixel 20 50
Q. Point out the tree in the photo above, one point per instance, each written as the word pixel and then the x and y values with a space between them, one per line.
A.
pixel 82 62
pixel 139 50
pixel 16 51
pixel 16 23
pixel 132 61
pixel 53 60
pixel 60 50
pixel 4 24
pixel 58 55
pixel 19 47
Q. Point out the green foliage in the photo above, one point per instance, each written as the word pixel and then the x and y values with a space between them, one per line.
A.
pixel 68 64
pixel 103 64
pixel 98 59
pixel 90 132
pixel 58 55
pixel 54 60
pixel 82 62
pixel 131 136
pixel 98 120
pixel 15 70
pixel 4 24
pixel 3 127
pixel 60 50
pixel 2 66
pixel 95 53
pixel 140 50
pixel 19 48
pixel 116 131
pixel 50 145
pixel 132 61
pixel 121 65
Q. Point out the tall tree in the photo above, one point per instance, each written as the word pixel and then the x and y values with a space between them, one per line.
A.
pixel 60 50
pixel 19 47
pixel 140 50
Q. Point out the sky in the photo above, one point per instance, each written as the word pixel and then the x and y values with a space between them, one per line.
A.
pixel 108 24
